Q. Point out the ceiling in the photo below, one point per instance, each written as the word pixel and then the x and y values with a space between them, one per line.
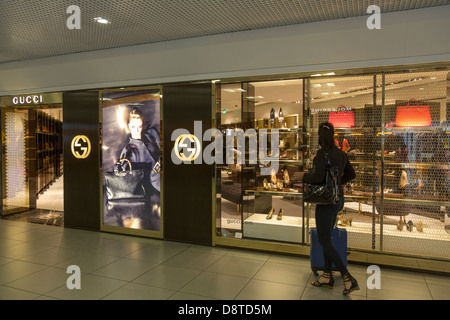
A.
pixel 37 28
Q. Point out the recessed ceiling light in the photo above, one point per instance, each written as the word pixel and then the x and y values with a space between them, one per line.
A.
pixel 330 84
pixel 318 85
pixel 101 20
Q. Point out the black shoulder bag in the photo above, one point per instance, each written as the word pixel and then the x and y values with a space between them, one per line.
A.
pixel 327 192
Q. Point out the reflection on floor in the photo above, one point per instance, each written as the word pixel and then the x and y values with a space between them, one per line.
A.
pixel 49 207
pixel 41 216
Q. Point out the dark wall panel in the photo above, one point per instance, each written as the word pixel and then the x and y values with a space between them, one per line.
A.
pixel 187 187
pixel 81 176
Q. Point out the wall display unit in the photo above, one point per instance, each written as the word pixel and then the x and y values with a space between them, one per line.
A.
pixel 395 130
pixel 49 161
pixel 131 159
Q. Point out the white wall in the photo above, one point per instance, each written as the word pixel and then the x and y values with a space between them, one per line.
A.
pixel 416 36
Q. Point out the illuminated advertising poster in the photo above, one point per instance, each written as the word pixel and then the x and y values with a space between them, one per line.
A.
pixel 131 159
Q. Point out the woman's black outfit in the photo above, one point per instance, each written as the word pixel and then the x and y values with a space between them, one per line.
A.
pixel 326 214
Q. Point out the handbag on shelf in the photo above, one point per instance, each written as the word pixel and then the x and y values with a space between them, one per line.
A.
pixel 327 192
pixel 413 115
pixel 126 184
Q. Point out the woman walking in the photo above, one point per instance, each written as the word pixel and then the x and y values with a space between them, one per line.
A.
pixel 326 214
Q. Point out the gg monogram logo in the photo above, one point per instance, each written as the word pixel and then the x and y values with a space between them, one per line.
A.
pixel 81 147
pixel 181 146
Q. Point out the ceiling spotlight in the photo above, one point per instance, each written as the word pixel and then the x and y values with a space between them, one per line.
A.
pixel 101 20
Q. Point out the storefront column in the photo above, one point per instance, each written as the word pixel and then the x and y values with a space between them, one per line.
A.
pixel 187 187
pixel 82 192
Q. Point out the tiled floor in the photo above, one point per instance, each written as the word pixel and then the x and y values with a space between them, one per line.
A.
pixel 34 260
pixel 53 197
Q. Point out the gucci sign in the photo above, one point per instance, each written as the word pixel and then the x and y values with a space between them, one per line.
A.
pixel 81 147
pixel 189 143
pixel 32 99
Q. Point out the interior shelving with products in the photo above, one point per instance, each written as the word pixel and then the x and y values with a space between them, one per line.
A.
pixel 273 202
pixel 48 149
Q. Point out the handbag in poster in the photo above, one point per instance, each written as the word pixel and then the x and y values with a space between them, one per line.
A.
pixel 124 185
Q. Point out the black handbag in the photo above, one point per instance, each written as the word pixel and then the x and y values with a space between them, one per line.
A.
pixel 326 193
pixel 125 185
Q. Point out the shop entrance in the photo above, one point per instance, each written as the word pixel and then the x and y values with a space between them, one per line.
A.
pixel 32 164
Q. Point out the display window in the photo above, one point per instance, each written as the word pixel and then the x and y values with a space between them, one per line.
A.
pixel 394 128
pixel 260 195
pixel 131 160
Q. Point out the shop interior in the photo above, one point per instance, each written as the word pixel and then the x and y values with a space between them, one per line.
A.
pixel 396 133
pixel 32 164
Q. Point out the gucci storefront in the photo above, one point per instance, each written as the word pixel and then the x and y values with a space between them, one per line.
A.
pixel 217 162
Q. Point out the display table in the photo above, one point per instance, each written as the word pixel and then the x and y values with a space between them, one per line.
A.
pixel 288 229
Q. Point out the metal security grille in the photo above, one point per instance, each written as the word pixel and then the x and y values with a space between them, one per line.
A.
pixel 37 28
pixel 349 103
pixel 416 164
pixel 395 131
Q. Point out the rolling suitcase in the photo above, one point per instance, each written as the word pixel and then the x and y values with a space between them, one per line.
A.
pixel 339 237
